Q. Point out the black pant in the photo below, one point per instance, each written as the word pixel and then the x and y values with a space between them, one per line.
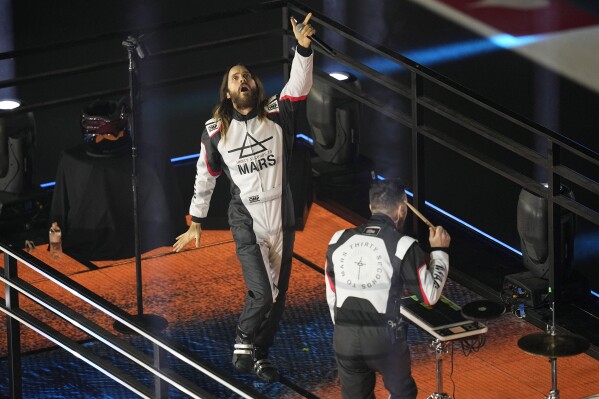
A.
pixel 362 351
pixel 260 316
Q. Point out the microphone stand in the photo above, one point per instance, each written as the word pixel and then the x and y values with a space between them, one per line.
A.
pixel 149 321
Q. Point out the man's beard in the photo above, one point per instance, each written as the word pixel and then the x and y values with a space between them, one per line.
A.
pixel 243 102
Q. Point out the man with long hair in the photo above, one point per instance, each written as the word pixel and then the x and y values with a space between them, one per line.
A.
pixel 367 269
pixel 250 139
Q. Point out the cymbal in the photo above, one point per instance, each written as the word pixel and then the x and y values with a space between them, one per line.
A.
pixel 553 345
pixel 482 310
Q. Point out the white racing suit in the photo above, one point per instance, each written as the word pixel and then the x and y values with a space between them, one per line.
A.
pixel 254 156
pixel 367 270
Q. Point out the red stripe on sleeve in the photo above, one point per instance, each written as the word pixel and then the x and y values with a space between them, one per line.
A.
pixel 329 280
pixel 426 301
pixel 292 99
pixel 212 172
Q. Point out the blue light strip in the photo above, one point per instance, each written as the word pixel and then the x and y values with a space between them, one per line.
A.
pixel 49 184
pixel 304 137
pixel 594 293
pixel 185 157
pixel 473 228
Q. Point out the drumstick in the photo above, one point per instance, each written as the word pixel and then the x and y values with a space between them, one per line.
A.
pixel 420 215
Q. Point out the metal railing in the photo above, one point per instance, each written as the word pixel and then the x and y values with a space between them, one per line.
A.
pixel 555 159
pixel 154 363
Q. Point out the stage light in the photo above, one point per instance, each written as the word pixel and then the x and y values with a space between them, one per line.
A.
pixel 532 224
pixel 334 120
pixel 341 76
pixel 17 135
pixel 8 104
pixel 532 287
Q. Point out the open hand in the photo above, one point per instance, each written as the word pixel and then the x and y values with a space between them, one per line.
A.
pixel 194 232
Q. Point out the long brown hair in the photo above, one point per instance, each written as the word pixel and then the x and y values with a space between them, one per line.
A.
pixel 224 110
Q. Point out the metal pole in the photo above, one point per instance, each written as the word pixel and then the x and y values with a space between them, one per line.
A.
pixel 439 373
pixel 130 44
pixel 153 322
pixel 13 332
pixel 440 348
pixel 554 393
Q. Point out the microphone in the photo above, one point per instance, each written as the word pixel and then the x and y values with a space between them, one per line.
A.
pixel 135 44
pixel 327 49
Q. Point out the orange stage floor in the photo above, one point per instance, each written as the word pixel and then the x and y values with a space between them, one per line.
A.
pixel 206 284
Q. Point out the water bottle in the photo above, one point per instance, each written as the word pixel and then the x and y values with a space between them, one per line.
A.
pixel 55 240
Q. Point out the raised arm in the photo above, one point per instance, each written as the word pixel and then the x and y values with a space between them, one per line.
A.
pixel 300 78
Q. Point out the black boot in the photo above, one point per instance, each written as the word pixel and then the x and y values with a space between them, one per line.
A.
pixel 243 353
pixel 263 367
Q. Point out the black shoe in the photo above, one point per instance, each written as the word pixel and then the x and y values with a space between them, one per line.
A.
pixel 263 367
pixel 243 355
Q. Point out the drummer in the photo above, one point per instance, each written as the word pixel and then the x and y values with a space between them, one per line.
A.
pixel 367 269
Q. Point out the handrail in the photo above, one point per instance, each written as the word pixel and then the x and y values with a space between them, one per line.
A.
pixel 435 77
pixel 556 145
pixel 103 335
pixel 78 350
pixel 564 143
pixel 559 142
pixel 93 330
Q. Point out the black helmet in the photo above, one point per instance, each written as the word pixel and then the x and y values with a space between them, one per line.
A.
pixel 105 128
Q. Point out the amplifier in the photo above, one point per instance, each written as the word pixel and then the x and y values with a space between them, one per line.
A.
pixel 524 288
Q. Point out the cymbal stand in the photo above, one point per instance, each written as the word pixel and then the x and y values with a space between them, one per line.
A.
pixel 554 393
pixel 440 349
